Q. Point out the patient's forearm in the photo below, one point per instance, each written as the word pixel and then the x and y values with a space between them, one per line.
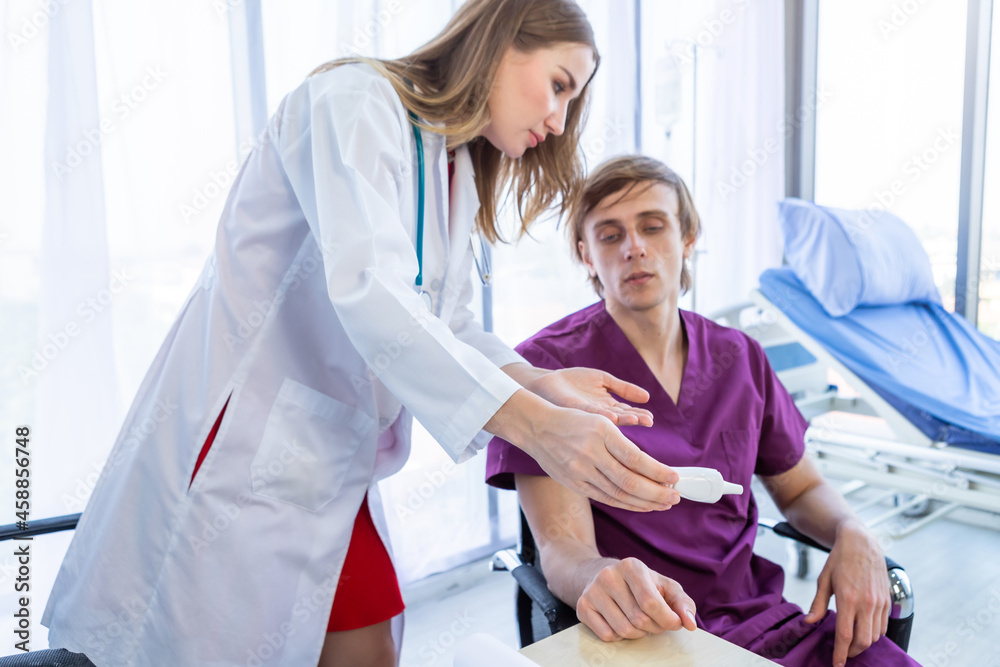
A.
pixel 570 566
pixel 811 504
pixel 821 513
pixel 563 526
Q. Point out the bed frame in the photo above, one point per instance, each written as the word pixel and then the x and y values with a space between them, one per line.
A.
pixel 855 434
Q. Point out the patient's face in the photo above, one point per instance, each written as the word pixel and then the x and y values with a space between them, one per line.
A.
pixel 635 247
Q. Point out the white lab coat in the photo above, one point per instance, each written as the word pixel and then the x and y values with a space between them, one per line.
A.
pixel 307 316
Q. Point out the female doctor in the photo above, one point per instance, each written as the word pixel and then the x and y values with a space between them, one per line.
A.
pixel 238 512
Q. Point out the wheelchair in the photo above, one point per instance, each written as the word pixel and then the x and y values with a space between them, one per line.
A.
pixel 540 613
pixel 48 657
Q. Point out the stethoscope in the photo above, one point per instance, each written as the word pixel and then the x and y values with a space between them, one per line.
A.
pixel 482 259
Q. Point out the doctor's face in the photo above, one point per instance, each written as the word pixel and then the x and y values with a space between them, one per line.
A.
pixel 635 247
pixel 531 95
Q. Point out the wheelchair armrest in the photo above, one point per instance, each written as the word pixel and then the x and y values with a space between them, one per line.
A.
pixel 785 529
pixel 900 590
pixel 46 658
pixel 39 527
pixel 533 583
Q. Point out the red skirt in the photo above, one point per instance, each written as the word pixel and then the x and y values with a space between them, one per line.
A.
pixel 368 591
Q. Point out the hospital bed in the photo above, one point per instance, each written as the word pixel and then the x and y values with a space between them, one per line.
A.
pixel 902 397
pixel 899 392
pixel 922 372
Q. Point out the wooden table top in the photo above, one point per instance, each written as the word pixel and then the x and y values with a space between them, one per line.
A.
pixel 579 646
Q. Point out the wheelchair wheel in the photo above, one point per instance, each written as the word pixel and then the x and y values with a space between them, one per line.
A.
pixel 919 510
pixel 800 560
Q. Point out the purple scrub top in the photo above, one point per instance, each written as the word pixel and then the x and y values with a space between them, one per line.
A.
pixel 732 414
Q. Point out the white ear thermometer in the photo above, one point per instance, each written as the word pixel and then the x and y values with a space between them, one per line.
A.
pixel 704 485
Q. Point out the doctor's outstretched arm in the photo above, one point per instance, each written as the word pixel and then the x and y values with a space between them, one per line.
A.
pixel 586 389
pixel 586 456
pixel 585 452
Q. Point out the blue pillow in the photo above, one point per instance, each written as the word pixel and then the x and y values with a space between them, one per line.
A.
pixel 855 258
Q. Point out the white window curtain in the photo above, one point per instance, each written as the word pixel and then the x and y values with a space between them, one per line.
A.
pixel 740 172
pixel 118 135
pixel 890 136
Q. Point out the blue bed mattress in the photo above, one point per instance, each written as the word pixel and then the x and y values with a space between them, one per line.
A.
pixel 931 365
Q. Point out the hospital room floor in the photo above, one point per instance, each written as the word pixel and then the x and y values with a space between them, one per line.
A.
pixel 951 563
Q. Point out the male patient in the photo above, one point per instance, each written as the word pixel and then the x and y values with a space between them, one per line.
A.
pixel 716 403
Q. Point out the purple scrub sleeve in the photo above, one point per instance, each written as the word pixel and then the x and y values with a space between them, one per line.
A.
pixel 732 414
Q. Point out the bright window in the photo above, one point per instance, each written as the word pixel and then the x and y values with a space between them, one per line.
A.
pixel 989 268
pixel 890 133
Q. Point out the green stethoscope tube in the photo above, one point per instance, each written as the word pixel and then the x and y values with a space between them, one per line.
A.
pixel 420 203
pixel 482 266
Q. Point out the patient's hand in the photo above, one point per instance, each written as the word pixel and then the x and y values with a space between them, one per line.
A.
pixel 627 600
pixel 855 574
pixel 591 390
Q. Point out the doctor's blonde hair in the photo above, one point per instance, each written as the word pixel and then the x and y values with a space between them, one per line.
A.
pixel 453 75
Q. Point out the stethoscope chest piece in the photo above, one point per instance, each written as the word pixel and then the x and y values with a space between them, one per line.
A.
pixel 427 299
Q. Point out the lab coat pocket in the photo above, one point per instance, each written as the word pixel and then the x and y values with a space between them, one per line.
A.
pixel 309 442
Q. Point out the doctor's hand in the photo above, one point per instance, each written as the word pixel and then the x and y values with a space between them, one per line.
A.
pixel 585 452
pixel 627 600
pixel 855 574
pixel 591 390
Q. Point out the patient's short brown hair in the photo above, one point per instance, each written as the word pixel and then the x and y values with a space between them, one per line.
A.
pixel 623 174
